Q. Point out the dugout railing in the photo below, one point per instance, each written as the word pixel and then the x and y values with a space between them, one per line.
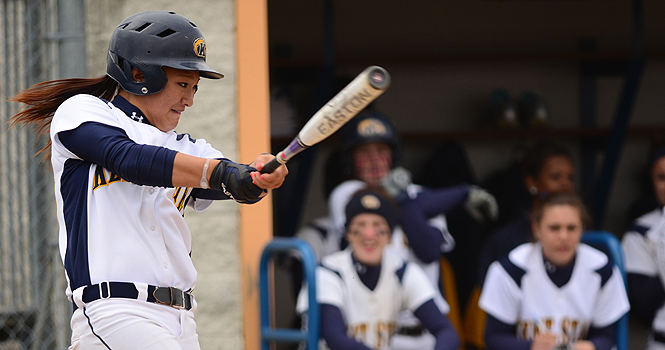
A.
pixel 309 334
pixel 610 245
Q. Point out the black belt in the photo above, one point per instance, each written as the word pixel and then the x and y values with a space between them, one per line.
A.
pixel 411 331
pixel 170 296
pixel 659 337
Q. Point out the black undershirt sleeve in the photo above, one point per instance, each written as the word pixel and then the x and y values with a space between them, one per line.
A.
pixel 111 148
pixel 501 336
pixel 333 330
pixel 439 325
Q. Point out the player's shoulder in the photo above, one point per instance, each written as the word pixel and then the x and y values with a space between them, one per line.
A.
pixel 643 223
pixel 82 101
pixel 517 263
pixel 337 261
pixel 343 192
pixel 595 261
pixel 82 108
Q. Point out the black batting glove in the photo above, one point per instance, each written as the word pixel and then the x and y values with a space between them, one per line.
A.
pixel 235 181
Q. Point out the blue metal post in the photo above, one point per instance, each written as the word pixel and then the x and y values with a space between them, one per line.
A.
pixel 268 332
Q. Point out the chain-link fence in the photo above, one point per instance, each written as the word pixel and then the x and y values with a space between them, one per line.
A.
pixel 34 313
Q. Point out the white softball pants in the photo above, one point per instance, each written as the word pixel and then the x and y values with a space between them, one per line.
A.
pixel 126 324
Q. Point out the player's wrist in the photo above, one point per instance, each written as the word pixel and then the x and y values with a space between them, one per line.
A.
pixel 204 175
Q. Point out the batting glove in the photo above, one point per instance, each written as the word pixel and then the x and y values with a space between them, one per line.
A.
pixel 396 182
pixel 235 181
pixel 481 204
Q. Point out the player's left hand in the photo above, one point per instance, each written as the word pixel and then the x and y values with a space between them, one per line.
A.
pixel 267 181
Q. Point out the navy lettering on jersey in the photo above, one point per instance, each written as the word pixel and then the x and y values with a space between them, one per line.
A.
pixel 104 177
pixel 513 270
pixel 74 191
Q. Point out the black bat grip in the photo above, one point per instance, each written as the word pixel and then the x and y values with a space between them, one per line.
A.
pixel 271 166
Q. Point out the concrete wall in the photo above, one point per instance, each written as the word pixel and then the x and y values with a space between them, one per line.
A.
pixel 213 118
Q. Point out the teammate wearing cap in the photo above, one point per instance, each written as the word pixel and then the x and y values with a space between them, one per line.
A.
pixel 644 247
pixel 123 177
pixel 556 292
pixel 372 152
pixel 363 288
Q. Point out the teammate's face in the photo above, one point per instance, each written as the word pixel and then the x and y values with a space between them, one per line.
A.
pixel 368 234
pixel 658 179
pixel 164 108
pixel 559 231
pixel 556 176
pixel 372 161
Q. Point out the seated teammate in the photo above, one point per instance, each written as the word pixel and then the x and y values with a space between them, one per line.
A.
pixel 363 288
pixel 556 291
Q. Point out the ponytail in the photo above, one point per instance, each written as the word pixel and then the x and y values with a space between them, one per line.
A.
pixel 44 98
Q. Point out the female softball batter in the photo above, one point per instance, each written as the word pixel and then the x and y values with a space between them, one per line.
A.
pixel 123 177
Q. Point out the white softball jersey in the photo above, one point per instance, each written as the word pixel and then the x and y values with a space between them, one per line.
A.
pixel 644 250
pixel 341 195
pixel 370 315
pixel 97 241
pixel 518 291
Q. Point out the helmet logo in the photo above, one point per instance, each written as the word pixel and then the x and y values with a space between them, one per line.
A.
pixel 200 47
pixel 371 127
pixel 370 202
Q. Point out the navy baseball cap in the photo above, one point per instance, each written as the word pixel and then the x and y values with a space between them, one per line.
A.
pixel 373 202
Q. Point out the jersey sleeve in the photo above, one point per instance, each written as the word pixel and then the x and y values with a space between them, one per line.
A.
pixel 612 301
pixel 329 290
pixel 80 109
pixel 639 255
pixel 418 289
pixel 500 295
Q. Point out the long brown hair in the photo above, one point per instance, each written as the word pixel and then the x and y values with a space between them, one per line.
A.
pixel 44 98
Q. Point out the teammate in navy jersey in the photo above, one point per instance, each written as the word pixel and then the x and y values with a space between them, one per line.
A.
pixel 123 177
pixel 644 247
pixel 556 291
pixel 363 289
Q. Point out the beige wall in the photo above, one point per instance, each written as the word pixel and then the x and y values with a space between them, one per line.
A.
pixel 213 117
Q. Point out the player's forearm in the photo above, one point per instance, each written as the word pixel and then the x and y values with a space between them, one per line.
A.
pixel 188 170
pixel 646 295
pixel 501 336
pixel 424 239
pixel 333 330
pixel 441 201
pixel 439 325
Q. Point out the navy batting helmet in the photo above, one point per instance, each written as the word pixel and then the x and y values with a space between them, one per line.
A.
pixel 151 40
pixel 368 127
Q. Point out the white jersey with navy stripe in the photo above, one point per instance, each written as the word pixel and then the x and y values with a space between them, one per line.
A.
pixel 99 243
pixel 518 291
pixel 341 195
pixel 644 249
pixel 370 315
